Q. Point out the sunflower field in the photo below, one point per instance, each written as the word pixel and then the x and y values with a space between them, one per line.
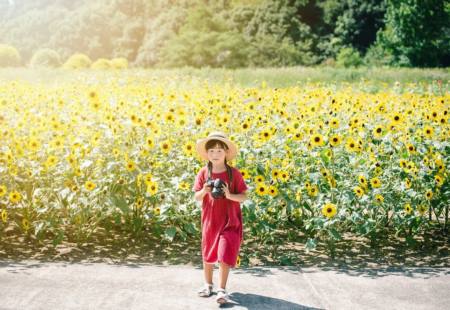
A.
pixel 116 152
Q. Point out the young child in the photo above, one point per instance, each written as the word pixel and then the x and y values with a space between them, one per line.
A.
pixel 221 219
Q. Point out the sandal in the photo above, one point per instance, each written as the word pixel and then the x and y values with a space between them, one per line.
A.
pixel 222 296
pixel 206 290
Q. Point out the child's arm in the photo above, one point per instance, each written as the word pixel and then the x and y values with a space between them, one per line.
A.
pixel 201 193
pixel 238 197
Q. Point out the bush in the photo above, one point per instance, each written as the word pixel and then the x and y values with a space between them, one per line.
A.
pixel 78 61
pixel 119 63
pixel 9 56
pixel 101 64
pixel 348 57
pixel 45 57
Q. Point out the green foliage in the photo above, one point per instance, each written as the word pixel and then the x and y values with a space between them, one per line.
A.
pixel 417 33
pixel 348 57
pixel 9 56
pixel 232 33
pixel 101 64
pixel 45 57
pixel 78 61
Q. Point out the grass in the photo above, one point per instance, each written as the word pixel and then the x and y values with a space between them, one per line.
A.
pixel 247 77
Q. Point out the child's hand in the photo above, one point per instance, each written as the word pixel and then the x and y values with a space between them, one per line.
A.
pixel 206 188
pixel 226 190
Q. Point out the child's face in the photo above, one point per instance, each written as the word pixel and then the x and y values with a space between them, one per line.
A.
pixel 217 155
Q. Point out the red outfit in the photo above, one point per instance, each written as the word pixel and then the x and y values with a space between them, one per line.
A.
pixel 222 231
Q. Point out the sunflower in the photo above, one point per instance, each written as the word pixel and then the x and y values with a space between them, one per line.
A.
pixel 157 211
pixel 25 224
pixel 297 136
pixel 150 142
pixel 131 166
pixel 3 190
pixel 422 209
pixel 359 191
pixel 275 174
pixel 261 189
pixel 439 180
pixel 407 208
pixel 15 197
pixel 429 194
pixel 259 179
pixel 188 148
pixel 51 161
pixel 298 195
pixel 265 135
pixel 362 180
pixel 428 131
pixel 245 126
pixel 4 216
pixel 165 146
pixel 377 132
pixel 34 144
pixel 397 118
pixel 283 176
pixel 89 185
pixel 351 145
pixel 334 123
pixel 335 140
pixel 313 190
pixel 152 188
pixel 407 183
pixel 245 174
pixel 273 191
pixel 329 210
pixel 411 148
pixel 379 198
pixel 375 182
pixel 316 140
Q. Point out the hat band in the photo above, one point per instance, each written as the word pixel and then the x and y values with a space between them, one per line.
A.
pixel 217 136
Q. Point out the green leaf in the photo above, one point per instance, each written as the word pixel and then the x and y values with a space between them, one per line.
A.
pixel 334 234
pixel 169 233
pixel 310 244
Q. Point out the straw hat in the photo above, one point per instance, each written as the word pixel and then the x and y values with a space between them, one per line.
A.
pixel 216 135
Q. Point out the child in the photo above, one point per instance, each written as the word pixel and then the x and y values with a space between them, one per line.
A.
pixel 221 219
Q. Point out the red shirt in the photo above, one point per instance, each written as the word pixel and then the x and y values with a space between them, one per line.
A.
pixel 222 231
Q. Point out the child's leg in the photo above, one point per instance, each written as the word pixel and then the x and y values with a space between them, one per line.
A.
pixel 224 270
pixel 208 272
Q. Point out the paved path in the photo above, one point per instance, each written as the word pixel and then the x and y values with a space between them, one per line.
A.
pixel 56 285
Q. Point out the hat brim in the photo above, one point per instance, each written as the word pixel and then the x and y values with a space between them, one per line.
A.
pixel 200 146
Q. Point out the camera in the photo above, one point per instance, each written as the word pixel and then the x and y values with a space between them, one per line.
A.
pixel 216 184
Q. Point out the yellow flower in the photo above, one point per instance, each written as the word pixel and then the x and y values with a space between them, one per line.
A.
pixel 245 174
pixel 317 140
pixel 15 197
pixel 377 132
pixel 259 179
pixel 275 174
pixel 351 145
pixel 411 148
pixel 157 211
pixel 407 208
pixel 329 210
pixel 375 182
pixel 4 216
pixel 238 261
pixel 379 198
pixel 261 189
pixel 335 140
pixel 407 183
pixel 422 209
pixel 3 190
pixel 89 185
pixel 429 194
pixel 188 148
pixel 130 166
pixel 165 146
pixel 25 224
pixel 273 191
pixel 362 181
pixel 152 188
pixel 334 123
pixel 298 195
pixel 439 180
pixel 428 131
pixel 34 144
pixel 283 176
pixel 265 135
pixel 359 191
pixel 313 190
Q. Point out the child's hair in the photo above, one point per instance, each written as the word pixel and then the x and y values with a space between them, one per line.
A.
pixel 211 144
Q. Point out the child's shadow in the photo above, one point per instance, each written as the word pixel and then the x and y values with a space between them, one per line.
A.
pixel 259 302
